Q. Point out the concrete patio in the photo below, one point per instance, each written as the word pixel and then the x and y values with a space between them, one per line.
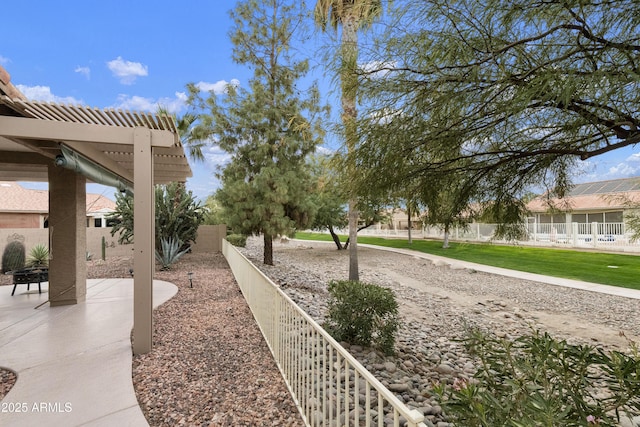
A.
pixel 73 362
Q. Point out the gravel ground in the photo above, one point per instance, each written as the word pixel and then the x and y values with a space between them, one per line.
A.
pixel 211 367
pixel 437 304
pixel 439 296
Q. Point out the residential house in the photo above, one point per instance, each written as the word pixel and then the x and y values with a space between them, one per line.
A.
pixel 26 208
pixel 593 208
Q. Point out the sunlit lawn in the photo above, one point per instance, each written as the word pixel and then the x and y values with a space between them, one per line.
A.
pixel 595 267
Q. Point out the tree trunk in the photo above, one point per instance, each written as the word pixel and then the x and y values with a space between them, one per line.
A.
pixel 353 242
pixel 349 86
pixel 335 238
pixel 445 244
pixel 268 249
pixel 409 222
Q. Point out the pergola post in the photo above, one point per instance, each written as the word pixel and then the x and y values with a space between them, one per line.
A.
pixel 144 241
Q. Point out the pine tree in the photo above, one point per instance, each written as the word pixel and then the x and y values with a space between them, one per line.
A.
pixel 269 127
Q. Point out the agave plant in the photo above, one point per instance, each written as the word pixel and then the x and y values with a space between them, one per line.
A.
pixel 38 256
pixel 170 252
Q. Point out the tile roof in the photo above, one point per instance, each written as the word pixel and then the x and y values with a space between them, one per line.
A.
pixel 601 195
pixel 15 198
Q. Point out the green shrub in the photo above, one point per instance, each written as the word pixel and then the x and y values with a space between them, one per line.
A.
pixel 178 214
pixel 38 256
pixel 363 314
pixel 171 252
pixel 536 380
pixel 13 257
pixel 237 240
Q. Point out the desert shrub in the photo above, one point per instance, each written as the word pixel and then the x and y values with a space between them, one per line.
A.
pixel 237 240
pixel 38 256
pixel 363 314
pixel 536 380
pixel 13 257
pixel 171 252
pixel 178 213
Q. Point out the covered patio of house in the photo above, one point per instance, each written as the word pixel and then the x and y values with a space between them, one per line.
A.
pixel 74 361
pixel 68 146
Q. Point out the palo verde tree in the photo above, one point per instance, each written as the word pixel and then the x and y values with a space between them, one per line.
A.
pixel 330 198
pixel 268 127
pixel 516 93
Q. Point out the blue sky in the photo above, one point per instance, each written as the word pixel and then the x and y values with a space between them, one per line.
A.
pixel 133 55
pixel 137 55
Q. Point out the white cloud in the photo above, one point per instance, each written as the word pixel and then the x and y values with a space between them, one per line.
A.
pixel 43 93
pixel 4 60
pixel 215 156
pixel 378 69
pixel 173 105
pixel 622 170
pixel 139 103
pixel 85 71
pixel 126 71
pixel 635 157
pixel 324 151
pixel 136 103
pixel 218 87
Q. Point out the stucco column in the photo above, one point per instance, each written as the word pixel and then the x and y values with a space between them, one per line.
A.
pixel 67 237
pixel 144 241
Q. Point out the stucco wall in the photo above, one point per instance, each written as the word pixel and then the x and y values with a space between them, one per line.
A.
pixel 209 240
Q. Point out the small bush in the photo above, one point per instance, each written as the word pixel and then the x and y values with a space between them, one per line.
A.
pixel 38 256
pixel 537 380
pixel 171 252
pixel 363 314
pixel 237 240
pixel 13 257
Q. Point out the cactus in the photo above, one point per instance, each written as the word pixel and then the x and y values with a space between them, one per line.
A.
pixel 13 257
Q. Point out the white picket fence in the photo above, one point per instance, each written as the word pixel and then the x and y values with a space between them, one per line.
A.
pixel 330 387
pixel 602 236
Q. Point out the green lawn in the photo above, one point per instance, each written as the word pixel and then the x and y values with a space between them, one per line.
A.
pixel 595 267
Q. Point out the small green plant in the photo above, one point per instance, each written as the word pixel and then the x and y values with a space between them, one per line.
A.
pixel 171 252
pixel 536 380
pixel 38 256
pixel 13 257
pixel 237 240
pixel 363 314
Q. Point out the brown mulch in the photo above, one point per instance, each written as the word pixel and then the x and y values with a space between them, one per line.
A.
pixel 210 365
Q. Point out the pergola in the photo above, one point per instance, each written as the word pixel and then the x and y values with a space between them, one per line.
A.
pixel 135 149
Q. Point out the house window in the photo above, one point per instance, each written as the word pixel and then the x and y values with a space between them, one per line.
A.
pixel 97 222
pixel 613 216
pixel 553 219
pixel 595 217
pixel 579 218
pixel 545 219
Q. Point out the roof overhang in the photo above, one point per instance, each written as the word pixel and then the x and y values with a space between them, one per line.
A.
pixel 32 134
